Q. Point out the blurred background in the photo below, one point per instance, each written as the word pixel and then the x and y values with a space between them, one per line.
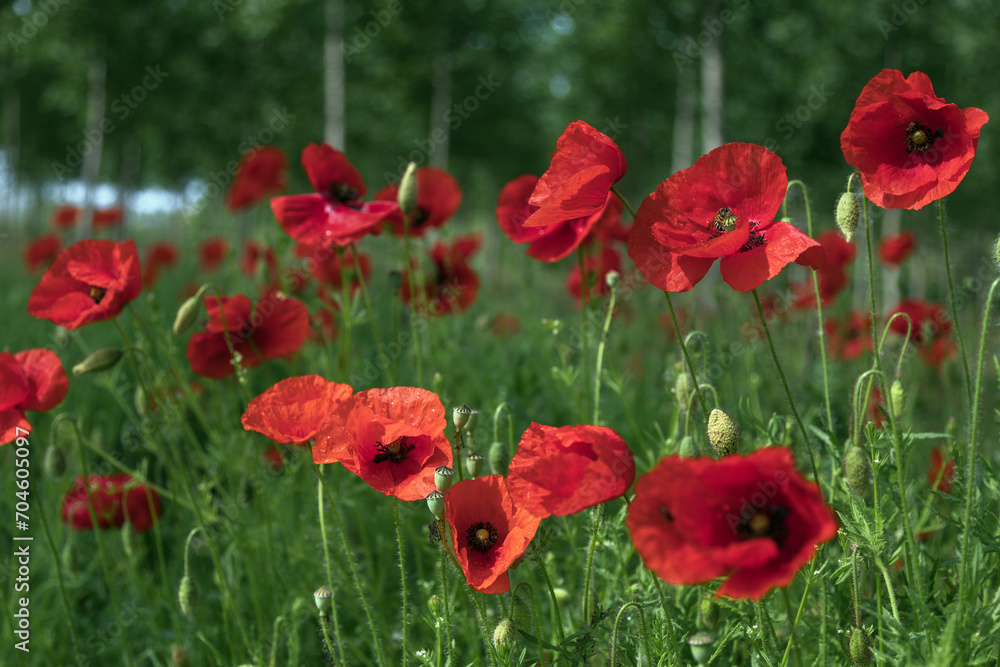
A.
pixel 145 105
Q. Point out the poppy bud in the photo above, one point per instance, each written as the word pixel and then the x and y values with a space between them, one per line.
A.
pixel 187 595
pixel 179 656
pixel 435 503
pixel 701 647
pixel 687 448
pixel 70 559
pixel 897 398
pixel 443 477
pixel 857 470
pixel 473 463
pixel 611 278
pixel 323 597
pixel 561 593
pixel 55 460
pixel 723 433
pixel 520 613
pixel 996 252
pixel 187 314
pixel 407 195
pixel 504 635
pixel 859 647
pixel 460 416
pixel 140 402
pixel 682 389
pixel 435 605
pixel 708 612
pixel 848 215
pixel 61 337
pixel 98 360
pixel 498 458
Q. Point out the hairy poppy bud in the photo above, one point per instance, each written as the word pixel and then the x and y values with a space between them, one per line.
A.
pixel 407 196
pixel 996 252
pixel 443 477
pixel 460 416
pixel 859 647
pixel 504 635
pixel 682 389
pixel 687 448
pixel 701 647
pixel 187 595
pixel 473 463
pixel 723 433
pixel 897 398
pixel 857 470
pixel 98 360
pixel 435 605
pixel 848 215
pixel 435 503
pixel 498 458
pixel 323 597
pixel 520 614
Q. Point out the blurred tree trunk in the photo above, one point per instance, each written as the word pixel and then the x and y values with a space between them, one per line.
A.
pixel 96 99
pixel 11 146
pixel 711 87
pixel 440 103
pixel 333 75
pixel 683 123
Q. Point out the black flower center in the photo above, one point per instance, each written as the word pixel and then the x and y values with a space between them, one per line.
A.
pixel 418 217
pixel 343 193
pixel 755 240
pixel 97 293
pixel 919 137
pixel 767 522
pixel 395 451
pixel 481 536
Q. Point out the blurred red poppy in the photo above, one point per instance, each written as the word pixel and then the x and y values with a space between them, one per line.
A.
pixel 931 330
pixel 831 273
pixel 324 265
pixel 117 499
pixel 940 474
pixel 334 214
pixel 276 328
pixel 159 255
pixel 911 147
pixel 89 281
pixel 721 207
pixel 293 410
pixel 261 172
pixel 488 530
pixel 578 182
pixel 66 216
pixel 29 380
pixel 596 267
pixel 562 471
pixel 211 252
pixel 893 250
pixel 111 216
pixel 41 251
pixel 272 456
pixel 438 197
pixel 849 337
pixel 253 252
pixel 751 518
pixel 391 438
pixel 452 286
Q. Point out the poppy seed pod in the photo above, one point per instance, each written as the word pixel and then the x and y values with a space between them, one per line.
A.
pixel 611 278
pixel 98 360
pixel 473 421
pixel 407 196
pixel 460 415
pixel 474 463
pixel 324 599
pixel 848 215
pixel 435 503
pixel 443 477
pixel 723 433
pixel 700 644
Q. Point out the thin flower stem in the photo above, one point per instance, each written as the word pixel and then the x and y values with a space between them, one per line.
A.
pixel 788 392
pixel 402 578
pixel 445 604
pixel 552 596
pixel 795 623
pixel 888 587
pixel 642 629
pixel 412 284
pixel 954 308
pixel 687 357
pixel 377 644
pixel 368 302
pixel 584 324
pixel 766 633
pixel 346 314
pixel 326 638
pixel 600 356
pixel 321 507
pixel 59 575
pixel 970 462
pixel 590 562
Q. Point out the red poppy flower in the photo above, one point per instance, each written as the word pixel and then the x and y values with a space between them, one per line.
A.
pixel 438 197
pixel 105 218
pixel 276 328
pixel 293 410
pixel 29 380
pixel 324 265
pixel 488 530
pixel 609 226
pixel 911 147
pixel 585 166
pixel 452 286
pixel 931 330
pixel 211 252
pixel 552 243
pixel 116 499
pixel 261 172
pixel 850 337
pixel 253 252
pixel 272 456
pixel 562 471
pixel 750 518
pixel 41 251
pixel 831 273
pixel 940 474
pixel 159 255
pixel 392 438
pixel 722 206
pixel 88 282
pixel 892 250
pixel 876 407
pixel 334 214
pixel 66 216
pixel 596 268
